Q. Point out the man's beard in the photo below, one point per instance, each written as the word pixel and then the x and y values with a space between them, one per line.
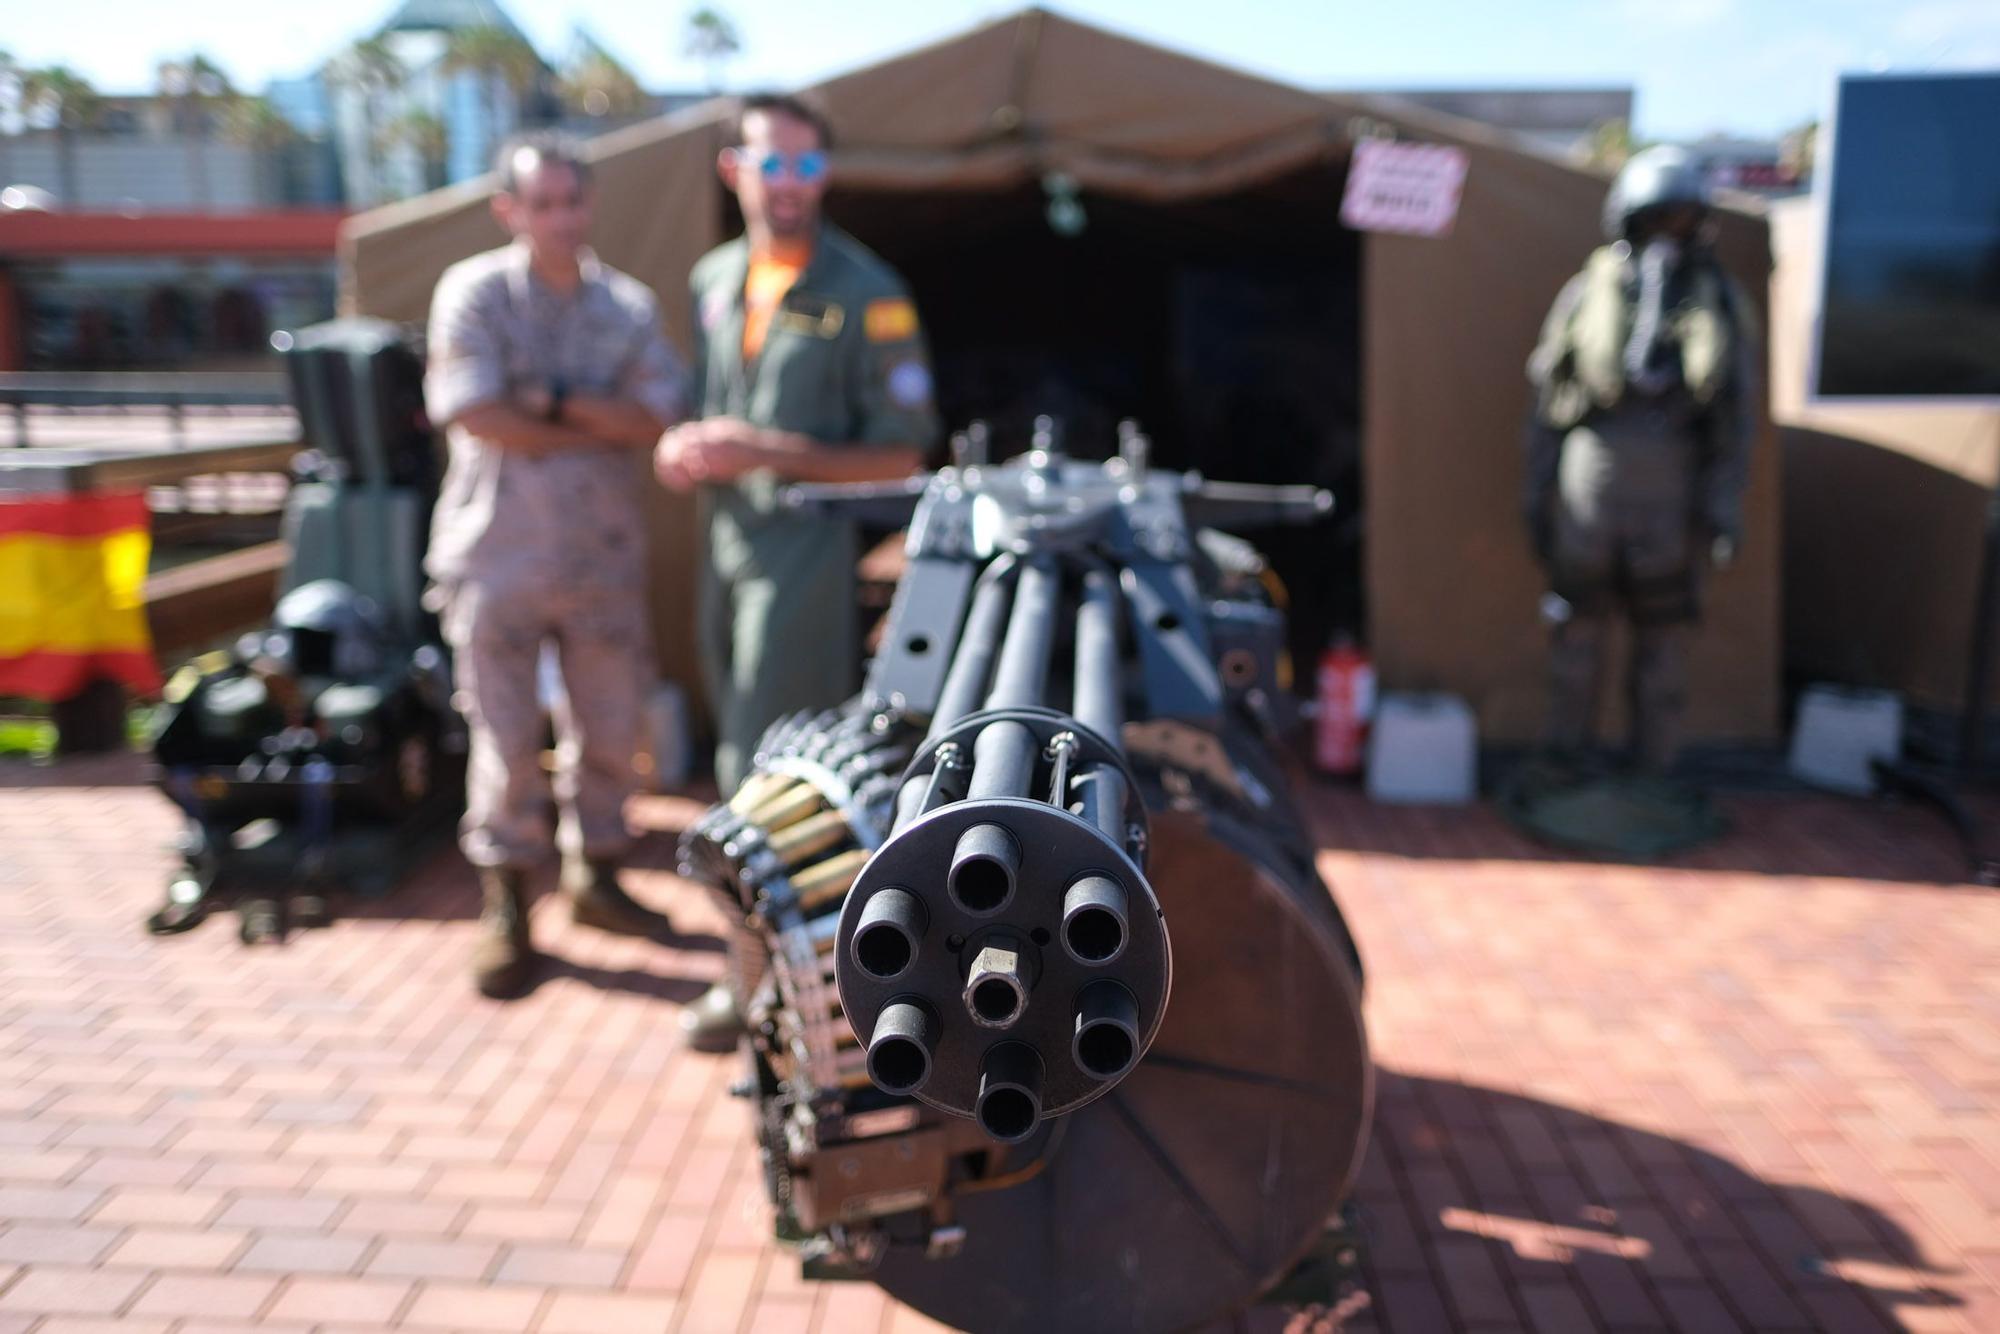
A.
pixel 793 224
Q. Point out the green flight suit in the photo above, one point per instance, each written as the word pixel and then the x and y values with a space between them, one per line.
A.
pixel 843 362
pixel 1627 488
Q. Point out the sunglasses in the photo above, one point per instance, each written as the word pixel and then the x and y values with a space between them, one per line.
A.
pixel 807 168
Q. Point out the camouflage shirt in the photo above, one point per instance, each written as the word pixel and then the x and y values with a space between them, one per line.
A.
pixel 566 517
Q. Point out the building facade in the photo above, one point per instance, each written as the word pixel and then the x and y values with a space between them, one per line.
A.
pixel 159 291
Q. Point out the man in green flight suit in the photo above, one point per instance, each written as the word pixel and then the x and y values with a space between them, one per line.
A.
pixel 810 367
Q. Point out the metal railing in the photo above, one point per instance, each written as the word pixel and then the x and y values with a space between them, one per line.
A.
pixel 170 392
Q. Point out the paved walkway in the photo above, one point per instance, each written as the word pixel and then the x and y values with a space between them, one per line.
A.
pixel 1757 1091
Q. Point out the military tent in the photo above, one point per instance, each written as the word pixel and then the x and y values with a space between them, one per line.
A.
pixel 1214 295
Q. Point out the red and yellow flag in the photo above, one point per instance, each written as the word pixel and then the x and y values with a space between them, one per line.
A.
pixel 72 594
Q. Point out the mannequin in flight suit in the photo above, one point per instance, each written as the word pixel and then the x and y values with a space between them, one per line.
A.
pixel 1638 449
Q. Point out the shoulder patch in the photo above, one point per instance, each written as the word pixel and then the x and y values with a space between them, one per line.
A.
pixel 891 320
pixel 910 384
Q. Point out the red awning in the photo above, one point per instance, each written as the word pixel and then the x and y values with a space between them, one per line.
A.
pixel 32 234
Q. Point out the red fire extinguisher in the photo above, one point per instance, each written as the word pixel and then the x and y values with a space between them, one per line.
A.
pixel 1346 703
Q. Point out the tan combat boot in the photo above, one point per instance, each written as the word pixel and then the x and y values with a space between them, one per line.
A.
pixel 597 899
pixel 504 959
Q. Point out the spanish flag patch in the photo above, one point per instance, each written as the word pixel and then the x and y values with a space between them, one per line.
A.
pixel 891 320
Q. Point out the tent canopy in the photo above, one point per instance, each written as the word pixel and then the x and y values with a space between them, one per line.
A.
pixel 1004 104
pixel 1446 322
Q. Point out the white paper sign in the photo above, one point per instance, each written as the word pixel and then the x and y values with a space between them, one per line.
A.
pixel 1408 188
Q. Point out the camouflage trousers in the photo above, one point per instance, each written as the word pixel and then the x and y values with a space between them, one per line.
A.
pixel 1628 557
pixel 601 642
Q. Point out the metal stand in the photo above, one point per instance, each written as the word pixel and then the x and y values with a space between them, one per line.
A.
pixel 1946 790
pixel 1979 670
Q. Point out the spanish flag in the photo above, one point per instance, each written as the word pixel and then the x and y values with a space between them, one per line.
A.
pixel 72 594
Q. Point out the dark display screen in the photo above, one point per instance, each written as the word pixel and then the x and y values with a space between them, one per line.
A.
pixel 1911 305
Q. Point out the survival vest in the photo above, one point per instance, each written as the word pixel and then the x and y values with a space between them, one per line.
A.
pixel 1588 364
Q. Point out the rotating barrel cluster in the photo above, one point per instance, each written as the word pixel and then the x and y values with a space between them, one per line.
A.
pixel 1003 951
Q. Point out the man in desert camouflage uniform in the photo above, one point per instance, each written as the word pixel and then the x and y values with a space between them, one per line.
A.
pixel 1638 449
pixel 552 377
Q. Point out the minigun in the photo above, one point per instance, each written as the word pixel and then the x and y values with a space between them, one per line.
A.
pixel 1054 1025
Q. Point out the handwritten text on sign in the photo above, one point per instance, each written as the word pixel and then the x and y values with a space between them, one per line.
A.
pixel 1408 188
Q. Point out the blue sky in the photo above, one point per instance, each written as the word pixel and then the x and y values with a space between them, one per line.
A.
pixel 1752 66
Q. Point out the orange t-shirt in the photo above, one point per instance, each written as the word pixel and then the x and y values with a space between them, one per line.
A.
pixel 771 275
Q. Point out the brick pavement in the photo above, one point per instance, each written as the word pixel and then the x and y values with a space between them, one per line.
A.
pixel 1757 1090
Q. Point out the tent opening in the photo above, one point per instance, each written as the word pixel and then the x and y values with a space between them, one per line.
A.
pixel 1228 327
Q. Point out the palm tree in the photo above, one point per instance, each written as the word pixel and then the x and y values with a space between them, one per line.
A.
pixel 196 89
pixel 1799 150
pixel 60 98
pixel 595 83
pixel 1611 143
pixel 261 127
pixel 10 104
pixel 10 93
pixel 712 39
pixel 425 134
pixel 371 68
pixel 506 67
pixel 257 123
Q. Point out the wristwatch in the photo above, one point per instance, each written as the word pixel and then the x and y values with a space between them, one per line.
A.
pixel 558 395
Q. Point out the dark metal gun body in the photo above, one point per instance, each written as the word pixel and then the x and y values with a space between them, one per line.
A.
pixel 1031 939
